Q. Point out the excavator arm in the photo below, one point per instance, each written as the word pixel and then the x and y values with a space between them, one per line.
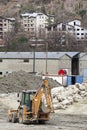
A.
pixel 36 102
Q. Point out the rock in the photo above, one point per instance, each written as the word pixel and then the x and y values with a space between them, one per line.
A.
pixel 60 98
pixel 59 106
pixel 70 100
pixel 55 100
pixel 57 90
pixel 80 86
pixel 76 97
pixel 85 94
pixel 85 84
pixel 75 89
pixel 69 91
pixel 68 95
pixel 66 102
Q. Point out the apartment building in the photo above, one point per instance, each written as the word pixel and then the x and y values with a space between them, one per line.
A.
pixel 6 25
pixel 1 28
pixel 79 32
pixel 35 22
pixel 73 27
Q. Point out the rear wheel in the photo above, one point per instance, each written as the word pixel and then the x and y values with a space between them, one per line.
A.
pixel 14 117
pixel 20 119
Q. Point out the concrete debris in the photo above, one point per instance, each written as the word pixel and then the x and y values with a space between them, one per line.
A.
pixel 63 97
pixel 80 86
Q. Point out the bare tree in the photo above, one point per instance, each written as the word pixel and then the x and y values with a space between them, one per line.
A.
pixel 58 40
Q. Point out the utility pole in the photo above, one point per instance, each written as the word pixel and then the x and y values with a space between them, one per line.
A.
pixel 33 45
pixel 46 57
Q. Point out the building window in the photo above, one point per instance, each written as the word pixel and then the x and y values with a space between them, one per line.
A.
pixel 74 23
pixel 63 27
pixel 82 37
pixel 0 60
pixel 48 28
pixel 0 73
pixel 26 60
pixel 77 33
pixel 1 24
pixel 78 29
pixel 4 20
pixel 69 29
pixel 1 29
pixel 31 25
pixel 82 33
pixel 82 29
pixel 5 24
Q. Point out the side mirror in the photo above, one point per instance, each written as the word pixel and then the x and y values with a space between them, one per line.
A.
pixel 18 100
pixel 17 94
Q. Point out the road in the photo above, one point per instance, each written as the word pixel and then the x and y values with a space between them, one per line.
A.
pixel 59 121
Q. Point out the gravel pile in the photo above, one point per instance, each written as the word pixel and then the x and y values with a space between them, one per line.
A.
pixel 63 97
pixel 18 81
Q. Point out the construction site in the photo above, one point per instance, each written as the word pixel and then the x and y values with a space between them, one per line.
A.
pixel 41 85
pixel 69 103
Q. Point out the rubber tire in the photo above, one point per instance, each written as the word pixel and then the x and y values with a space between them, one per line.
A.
pixel 14 117
pixel 9 120
pixel 20 120
pixel 44 108
pixel 41 121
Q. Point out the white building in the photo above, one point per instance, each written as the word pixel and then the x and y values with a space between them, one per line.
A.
pixel 73 27
pixel 65 27
pixel 6 25
pixel 75 22
pixel 79 31
pixel 35 22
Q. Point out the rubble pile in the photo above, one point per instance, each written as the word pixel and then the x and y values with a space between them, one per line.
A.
pixel 63 97
pixel 21 80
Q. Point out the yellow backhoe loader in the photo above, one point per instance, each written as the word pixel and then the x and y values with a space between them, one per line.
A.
pixel 35 106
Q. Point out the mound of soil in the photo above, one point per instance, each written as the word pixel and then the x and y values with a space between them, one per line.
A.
pixel 18 81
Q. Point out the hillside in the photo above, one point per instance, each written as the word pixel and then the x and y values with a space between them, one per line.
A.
pixel 62 9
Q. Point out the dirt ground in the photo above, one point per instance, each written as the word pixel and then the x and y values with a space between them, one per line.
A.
pixel 73 118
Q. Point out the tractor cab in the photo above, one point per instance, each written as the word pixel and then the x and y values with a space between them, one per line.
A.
pixel 26 99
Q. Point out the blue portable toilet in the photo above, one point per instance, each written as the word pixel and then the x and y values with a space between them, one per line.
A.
pixel 69 80
pixel 74 79
pixel 79 79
